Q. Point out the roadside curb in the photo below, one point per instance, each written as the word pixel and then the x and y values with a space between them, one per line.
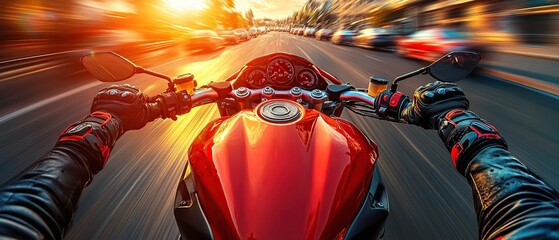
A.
pixel 523 80
pixel 548 56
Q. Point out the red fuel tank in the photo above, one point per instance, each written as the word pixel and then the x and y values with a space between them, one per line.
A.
pixel 301 179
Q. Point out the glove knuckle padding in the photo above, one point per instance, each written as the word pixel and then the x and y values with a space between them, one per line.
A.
pixel 124 102
pixel 434 100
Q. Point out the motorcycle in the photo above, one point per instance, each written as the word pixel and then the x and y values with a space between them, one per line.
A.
pixel 280 163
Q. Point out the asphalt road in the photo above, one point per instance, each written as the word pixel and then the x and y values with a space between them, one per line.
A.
pixel 132 197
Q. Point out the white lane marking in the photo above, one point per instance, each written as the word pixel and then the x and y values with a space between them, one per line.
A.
pixel 40 56
pixel 26 72
pixel 305 53
pixel 374 58
pixel 42 103
pixel 167 63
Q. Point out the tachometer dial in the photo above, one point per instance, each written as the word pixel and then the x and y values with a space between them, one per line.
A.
pixel 280 70
pixel 307 79
pixel 256 78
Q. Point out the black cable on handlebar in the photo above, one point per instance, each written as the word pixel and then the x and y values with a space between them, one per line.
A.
pixel 367 111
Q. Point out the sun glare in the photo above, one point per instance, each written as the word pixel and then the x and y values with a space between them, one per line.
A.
pixel 184 5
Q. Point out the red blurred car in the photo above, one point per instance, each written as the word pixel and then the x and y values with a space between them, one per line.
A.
pixel 431 44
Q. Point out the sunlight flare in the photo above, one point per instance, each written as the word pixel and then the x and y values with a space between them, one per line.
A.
pixel 185 5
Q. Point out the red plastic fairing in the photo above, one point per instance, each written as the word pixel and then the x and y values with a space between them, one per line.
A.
pixel 304 180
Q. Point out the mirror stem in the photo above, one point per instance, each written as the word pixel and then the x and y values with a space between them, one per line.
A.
pixel 171 85
pixel 394 86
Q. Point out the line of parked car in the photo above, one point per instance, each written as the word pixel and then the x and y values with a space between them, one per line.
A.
pixel 212 40
pixel 427 44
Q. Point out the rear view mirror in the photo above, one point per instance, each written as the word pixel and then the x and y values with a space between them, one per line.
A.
pixel 108 66
pixel 454 66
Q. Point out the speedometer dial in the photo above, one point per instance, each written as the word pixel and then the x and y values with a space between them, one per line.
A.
pixel 307 79
pixel 256 78
pixel 280 70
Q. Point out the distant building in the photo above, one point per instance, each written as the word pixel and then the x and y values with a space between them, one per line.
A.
pixel 524 21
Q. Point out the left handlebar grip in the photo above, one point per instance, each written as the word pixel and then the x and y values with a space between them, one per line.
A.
pixel 154 111
pixel 172 104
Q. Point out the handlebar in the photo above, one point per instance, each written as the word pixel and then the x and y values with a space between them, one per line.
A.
pixel 204 96
pixel 357 96
pixel 170 105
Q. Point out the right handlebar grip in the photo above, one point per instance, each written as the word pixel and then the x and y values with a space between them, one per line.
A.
pixel 407 114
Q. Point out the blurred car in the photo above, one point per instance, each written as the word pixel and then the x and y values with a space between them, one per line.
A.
pixel 262 30
pixel 323 34
pixel 253 32
pixel 375 38
pixel 343 36
pixel 242 33
pixel 300 31
pixel 309 32
pixel 229 36
pixel 430 44
pixel 204 40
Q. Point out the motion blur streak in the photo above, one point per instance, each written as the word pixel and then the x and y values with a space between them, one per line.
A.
pixel 43 89
pixel 132 197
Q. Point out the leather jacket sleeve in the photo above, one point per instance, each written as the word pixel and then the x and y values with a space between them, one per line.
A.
pixel 41 202
pixel 511 202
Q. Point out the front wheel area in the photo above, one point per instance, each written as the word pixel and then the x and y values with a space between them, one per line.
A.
pixel 371 218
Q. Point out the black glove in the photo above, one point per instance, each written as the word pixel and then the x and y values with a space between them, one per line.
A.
pixel 127 103
pixel 433 101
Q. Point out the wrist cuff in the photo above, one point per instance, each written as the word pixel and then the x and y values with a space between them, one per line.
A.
pixel 98 131
pixel 465 134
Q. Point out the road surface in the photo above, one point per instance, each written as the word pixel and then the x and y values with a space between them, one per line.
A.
pixel 132 197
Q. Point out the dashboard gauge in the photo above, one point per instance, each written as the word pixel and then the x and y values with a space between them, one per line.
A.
pixel 256 78
pixel 307 79
pixel 280 70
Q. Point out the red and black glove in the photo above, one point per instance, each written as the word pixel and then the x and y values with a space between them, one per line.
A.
pixel 465 134
pixel 128 104
pixel 115 110
pixel 432 101
pixel 443 106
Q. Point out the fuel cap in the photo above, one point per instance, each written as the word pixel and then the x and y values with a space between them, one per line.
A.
pixel 279 111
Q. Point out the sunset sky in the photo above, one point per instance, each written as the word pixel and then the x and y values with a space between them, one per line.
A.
pixel 275 9
pixel 270 8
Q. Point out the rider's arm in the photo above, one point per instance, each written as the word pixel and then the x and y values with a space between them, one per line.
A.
pixel 510 200
pixel 40 203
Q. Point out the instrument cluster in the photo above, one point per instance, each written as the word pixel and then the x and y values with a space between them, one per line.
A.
pixel 281 73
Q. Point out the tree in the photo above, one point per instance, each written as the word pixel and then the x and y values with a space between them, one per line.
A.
pixel 250 16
